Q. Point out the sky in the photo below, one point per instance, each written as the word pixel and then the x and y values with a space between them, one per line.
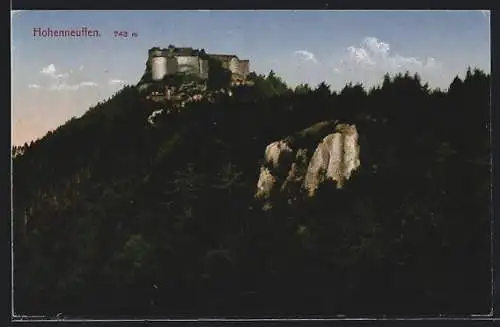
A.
pixel 55 79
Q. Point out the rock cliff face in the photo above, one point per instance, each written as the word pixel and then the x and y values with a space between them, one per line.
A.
pixel 335 158
pixel 289 165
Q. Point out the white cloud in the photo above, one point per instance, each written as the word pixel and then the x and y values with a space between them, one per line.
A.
pixel 306 55
pixel 116 81
pixel 62 81
pixel 50 71
pixel 64 86
pixel 398 61
pixel 34 86
pixel 360 56
pixel 376 47
pixel 81 67
pixel 88 84
pixel 432 63
pixel 377 54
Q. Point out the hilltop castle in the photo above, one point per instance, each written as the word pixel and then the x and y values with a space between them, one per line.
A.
pixel 174 60
pixel 182 75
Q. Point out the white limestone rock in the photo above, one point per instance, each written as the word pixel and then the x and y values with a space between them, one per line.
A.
pixel 276 153
pixel 334 158
pixel 351 151
pixel 154 114
pixel 265 184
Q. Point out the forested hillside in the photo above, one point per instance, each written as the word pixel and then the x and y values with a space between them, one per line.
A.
pixel 114 216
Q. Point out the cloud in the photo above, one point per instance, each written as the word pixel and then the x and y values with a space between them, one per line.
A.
pixel 374 53
pixel 360 56
pixel 432 63
pixel 50 71
pixel 34 86
pixel 399 61
pixel 88 84
pixel 377 47
pixel 64 86
pixel 306 55
pixel 485 13
pixel 61 81
pixel 116 81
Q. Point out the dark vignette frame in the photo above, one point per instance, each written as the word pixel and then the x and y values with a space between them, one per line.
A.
pixel 276 5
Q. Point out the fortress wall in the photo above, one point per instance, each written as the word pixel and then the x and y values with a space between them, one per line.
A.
pixel 224 63
pixel 188 64
pixel 155 53
pixel 234 65
pixel 171 65
pixel 240 69
pixel 244 67
pixel 158 68
pixel 203 68
pixel 173 60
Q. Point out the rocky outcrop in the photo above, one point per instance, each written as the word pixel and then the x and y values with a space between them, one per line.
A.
pixel 153 116
pixel 289 166
pixel 265 184
pixel 278 154
pixel 335 158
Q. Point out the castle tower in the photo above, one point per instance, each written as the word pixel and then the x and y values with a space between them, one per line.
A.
pixel 158 68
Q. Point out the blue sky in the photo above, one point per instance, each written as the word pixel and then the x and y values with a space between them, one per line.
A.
pixel 55 79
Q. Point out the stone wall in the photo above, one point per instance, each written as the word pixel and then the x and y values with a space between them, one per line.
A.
pixel 203 68
pixel 171 65
pixel 234 65
pixel 158 68
pixel 188 64
pixel 244 68
pixel 187 60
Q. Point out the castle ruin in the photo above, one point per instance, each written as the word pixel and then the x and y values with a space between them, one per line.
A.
pixel 174 60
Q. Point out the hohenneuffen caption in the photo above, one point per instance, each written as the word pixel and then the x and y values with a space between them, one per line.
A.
pixel 72 32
